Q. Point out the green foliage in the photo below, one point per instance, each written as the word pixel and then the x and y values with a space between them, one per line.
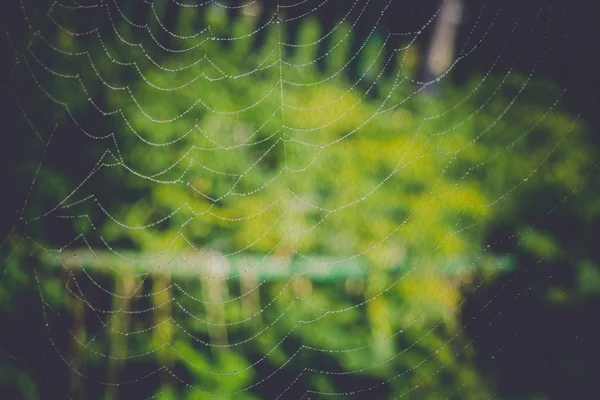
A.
pixel 272 162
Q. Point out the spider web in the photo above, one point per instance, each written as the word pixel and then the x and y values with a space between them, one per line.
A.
pixel 222 168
